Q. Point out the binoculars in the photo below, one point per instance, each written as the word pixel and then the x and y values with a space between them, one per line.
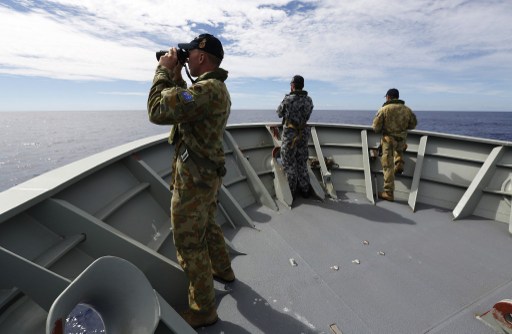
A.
pixel 182 55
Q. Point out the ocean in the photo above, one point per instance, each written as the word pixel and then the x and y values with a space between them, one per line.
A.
pixel 36 142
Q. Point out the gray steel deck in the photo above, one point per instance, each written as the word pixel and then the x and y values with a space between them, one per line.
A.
pixel 434 276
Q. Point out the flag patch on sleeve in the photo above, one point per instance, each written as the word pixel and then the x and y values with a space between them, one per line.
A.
pixel 186 96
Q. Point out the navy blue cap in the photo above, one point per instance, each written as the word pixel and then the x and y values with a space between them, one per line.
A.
pixel 393 93
pixel 298 81
pixel 207 43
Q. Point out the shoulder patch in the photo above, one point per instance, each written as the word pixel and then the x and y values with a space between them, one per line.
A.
pixel 186 96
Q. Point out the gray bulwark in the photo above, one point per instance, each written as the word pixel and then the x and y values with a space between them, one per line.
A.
pixel 326 175
pixel 473 194
pixel 366 164
pixel 257 187
pixel 413 195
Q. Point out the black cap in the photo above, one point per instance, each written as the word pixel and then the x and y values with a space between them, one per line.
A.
pixel 393 93
pixel 207 43
pixel 298 81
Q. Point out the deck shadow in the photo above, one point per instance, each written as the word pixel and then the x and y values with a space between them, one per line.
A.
pixel 255 309
pixel 383 213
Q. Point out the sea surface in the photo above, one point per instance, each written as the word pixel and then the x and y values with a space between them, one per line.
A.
pixel 33 143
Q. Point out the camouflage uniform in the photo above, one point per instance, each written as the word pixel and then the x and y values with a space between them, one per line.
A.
pixel 295 109
pixel 393 120
pixel 200 114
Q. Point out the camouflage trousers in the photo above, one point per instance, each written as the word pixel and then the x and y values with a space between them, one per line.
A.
pixel 294 153
pixel 392 160
pixel 198 238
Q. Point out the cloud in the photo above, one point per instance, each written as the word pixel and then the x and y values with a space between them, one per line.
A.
pixel 355 44
pixel 145 94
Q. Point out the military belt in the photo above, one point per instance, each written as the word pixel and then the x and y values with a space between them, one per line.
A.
pixel 391 139
pixel 294 126
pixel 298 134
pixel 394 136
pixel 193 160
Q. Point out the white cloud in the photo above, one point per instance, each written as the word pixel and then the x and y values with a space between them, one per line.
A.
pixel 358 44
pixel 125 93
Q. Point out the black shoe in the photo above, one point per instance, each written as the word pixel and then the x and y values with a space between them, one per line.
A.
pixel 226 276
pixel 295 194
pixel 306 194
pixel 399 168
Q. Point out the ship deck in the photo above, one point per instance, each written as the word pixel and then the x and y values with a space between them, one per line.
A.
pixel 363 268
pixel 335 266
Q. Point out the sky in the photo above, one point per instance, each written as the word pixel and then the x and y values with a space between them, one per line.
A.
pixel 69 55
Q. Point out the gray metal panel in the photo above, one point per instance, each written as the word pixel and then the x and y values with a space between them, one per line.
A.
pixel 326 174
pixel 345 157
pixel 459 149
pixel 119 201
pixel 26 236
pixel 22 274
pixel 118 178
pixel 448 170
pixel 145 172
pixel 413 195
pixel 172 319
pixel 244 195
pixel 35 190
pixel 473 194
pixel 281 185
pixel 19 322
pixel 501 180
pixel 233 171
pixel 259 190
pixel 331 136
pixel 366 164
pixel 349 180
pixel 158 157
pixel 233 209
pixel 140 218
pixel 442 195
pixel 103 240
pixel 493 206
pixel 251 137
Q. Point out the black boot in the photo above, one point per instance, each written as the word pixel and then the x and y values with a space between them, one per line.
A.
pixel 307 193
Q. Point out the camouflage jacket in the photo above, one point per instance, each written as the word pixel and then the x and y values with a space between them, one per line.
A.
pixel 394 119
pixel 200 111
pixel 296 108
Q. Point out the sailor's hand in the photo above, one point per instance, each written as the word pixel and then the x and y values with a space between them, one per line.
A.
pixel 169 60
pixel 177 72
